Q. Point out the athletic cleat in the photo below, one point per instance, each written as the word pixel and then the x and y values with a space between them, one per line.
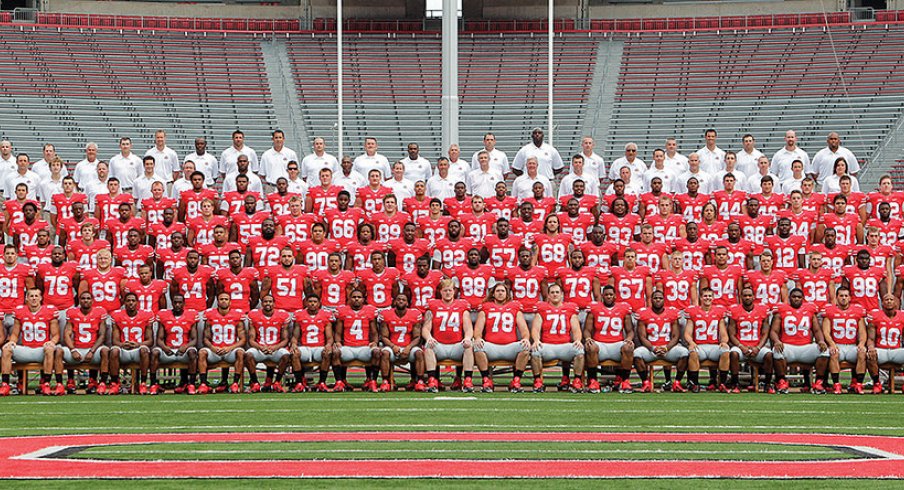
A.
pixel 711 387
pixel 515 385
pixel 190 389
pixel 115 388
pixel 268 386
pixel 92 387
pixel 593 386
pixel 385 387
pixel 771 389
pixel 858 388
pixel 420 387
pixel 410 386
pixel 45 389
pixel 607 388
pixel 836 389
pixel 373 386
pixel 577 386
pixel 321 388
pixel 235 388
pixel 627 389
pixel 735 390
pixel 432 385
pixel 723 388
pixel 877 389
pixel 693 387
pixel 298 388
pixel 221 388
pixel 487 386
pixel 667 386
pixel 340 387
pixel 467 385
pixel 782 386
pixel 101 389
pixel 204 389
pixel 539 387
pixel 646 387
pixel 156 389
pixel 564 385
pixel 180 389
pixel 677 388
pixel 456 384
pixel 4 389
pixel 277 387
pixel 59 390
pixel 70 386
pixel 817 388
pixel 142 389
pixel 256 388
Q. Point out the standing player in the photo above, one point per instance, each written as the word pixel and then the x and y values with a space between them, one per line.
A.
pixel 845 333
pixel 473 281
pixel 770 285
pixel 239 282
pixel 796 341
pixel 18 278
pixel 422 284
pixel 333 284
pixel 286 282
pixel 866 284
pixel 748 333
pixel 133 336
pixel 380 283
pixel 268 339
pixel 151 292
pixel 556 334
pixel 176 342
pixel 224 340
pixel 105 282
pixel 400 331
pixel 194 282
pixel 633 283
pixel 723 278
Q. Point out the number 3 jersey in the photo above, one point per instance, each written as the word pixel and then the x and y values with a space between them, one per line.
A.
pixel 177 329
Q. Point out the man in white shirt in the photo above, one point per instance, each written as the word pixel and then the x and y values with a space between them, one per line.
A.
pixel 98 185
pixel 296 184
pixel 823 164
pixel 442 184
pixel 22 175
pixel 371 160
pixel 579 172
pixel 402 187
pixel 141 188
pixel 167 161
pixel 274 161
pixel 348 178
pixel 458 168
pixel 763 165
pixel 230 155
pixel 630 160
pixel 632 186
pixel 731 166
pixel 243 167
pixel 125 165
pixel 7 159
pixel 711 156
pixel 312 164
pixel 183 183
pixel 749 155
pixel 85 171
pixel 416 167
pixel 482 182
pixel 548 158
pixel 498 159
pixel 523 186
pixel 705 179
pixel 781 160
pixel 674 161
pixel 593 163
pixel 659 169
pixel 42 166
pixel 204 162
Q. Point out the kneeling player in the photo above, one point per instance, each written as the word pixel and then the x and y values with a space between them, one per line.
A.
pixel 795 341
pixel 312 342
pixel 556 334
pixel 34 338
pixel 707 340
pixel 501 334
pixel 224 340
pixel 609 336
pixel 883 339
pixel 176 343
pixel 748 332
pixel 268 339
pixel 845 334
pixel 400 330
pixel 133 337
pixel 657 342
pixel 356 338
pixel 448 335
pixel 84 337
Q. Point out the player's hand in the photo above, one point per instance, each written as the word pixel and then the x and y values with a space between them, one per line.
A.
pixel 778 347
pixel 49 343
pixel 576 344
pixel 723 346
pixel 536 346
pixel 833 351
pixel 478 343
pixel 78 357
pixel 871 353
pixel 525 344
pixel 181 350
pixel 692 346
pixel 403 353
pixel 861 348
pixel 753 351
pixel 660 350
pixel 466 343
pixel 629 344
pixel 431 342
pixel 822 346
pixel 372 345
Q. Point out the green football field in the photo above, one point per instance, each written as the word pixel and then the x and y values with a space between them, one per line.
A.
pixel 479 413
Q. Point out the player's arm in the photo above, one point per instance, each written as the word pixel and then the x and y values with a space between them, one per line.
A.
pixel 689 334
pixel 723 334
pixel 283 336
pixel 255 293
pixel 337 333
pixel 871 336
pixel 252 338
pixel 148 336
pixel 628 330
pixel 648 289
pixel 161 301
pixel 467 328
pixel 266 283
pixel 641 335
pixel 240 336
pixel 385 336
pixel 883 283
pixel 673 341
pixel 860 225
pixel 427 327
pixel 207 341
pixel 576 330
pixel 827 333
pixel 765 327
pixel 589 327
pixel 249 257
pixel 13 337
pixel 536 326
pixel 116 335
pixel 478 326
pixel 775 333
pixel 731 327
pixel 373 333
pixel 818 335
pixel 161 340
pixel 861 333
pixel 415 337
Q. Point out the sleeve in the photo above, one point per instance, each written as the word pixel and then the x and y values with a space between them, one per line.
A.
pixel 518 162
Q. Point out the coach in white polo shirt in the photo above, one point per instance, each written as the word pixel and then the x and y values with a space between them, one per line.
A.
pixel 674 161
pixel 416 167
pixel 7 159
pixel 442 184
pixel 781 160
pixel 347 177
pixel 637 166
pixel 548 158
pixel 658 169
pixel 125 165
pixel 704 179
pixel 274 161
pixel 482 182
pixel 594 165
pixel 42 166
pixel 523 187
pixel 458 167
pixel 21 175
pixel 312 164
pixel 748 156
pixel 498 159
pixel 85 171
pixel 141 187
pixel 371 160
pixel 402 187
pixel 243 167
pixel 166 161
pixel 823 164
pixel 204 161
pixel 712 158
pixel 229 156
pixel 579 172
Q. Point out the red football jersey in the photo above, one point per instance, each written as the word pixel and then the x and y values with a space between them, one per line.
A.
pixel 356 324
pixel 448 320
pixel 503 253
pixel 58 290
pixel 12 286
pixel 844 323
pixel 526 229
pixel 85 326
pixel 755 229
pixel 388 227
pixel 729 205
pixel 888 232
pixel 621 231
pixel 815 285
pixel 105 287
pixel 372 200
pixel 343 226
pixel 473 284
pixel 888 329
pixel 28 233
pixel 218 257
pixel 845 227
pixel 34 325
pixel 452 254
pixel 786 251
pixel 609 322
pixel 379 286
pixel 406 254
pixel 552 251
pixel 694 253
pixel 298 228
pixel 864 285
pixel 279 204
pixel 543 207
pixel 577 284
pixel 705 324
pixel 692 207
pixel 526 285
pixel 72 229
pixel 737 252
pixel 233 202
pixel 455 207
pixel 666 230
pixel 651 255
pixel 659 326
pixel 332 292
pixel 578 227
pixel 434 230
pixel 193 201
pixel 312 329
pixel 177 329
pixel 749 323
pixel 248 226
pixel 834 258
pixel 725 283
pixel 107 207
pixel 677 287
pixel 423 289
pixel 148 294
pixel 162 235
pixel 268 329
pixel 324 199
pixel 153 209
pixel 238 286
pixel 417 209
pixel 500 325
pixel 801 224
pixel 265 253
pixel 316 255
pixel 768 289
pixel 599 255
pixel 502 209
pixel 86 255
pixel 797 324
pixel 556 327
pixel 132 328
pixel 814 202
pixel 193 286
pixel 771 205
pixel 401 328
pixel 131 260
pixel 62 205
pixel 287 286
pixel 360 254
pixel 203 229
pixel 630 286
pixel 477 227
pixel 223 328
pixel 714 232
pixel 895 201
pixel 118 232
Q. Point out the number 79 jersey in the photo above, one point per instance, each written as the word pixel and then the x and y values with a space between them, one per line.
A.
pixel 608 323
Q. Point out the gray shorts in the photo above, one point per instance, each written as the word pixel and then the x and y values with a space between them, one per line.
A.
pixel 890 356
pixel 709 352
pixel 674 354
pixel 363 353
pixel 501 352
pixel 804 354
pixel 171 359
pixel 453 352
pixel 392 357
pixel 213 357
pixel 261 357
pixel 847 353
pixel 95 359
pixel 760 357
pixel 28 354
pixel 310 354
pixel 559 352
pixel 130 356
pixel 610 351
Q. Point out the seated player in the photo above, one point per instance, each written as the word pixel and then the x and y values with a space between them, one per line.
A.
pixel 883 339
pixel 355 338
pixel 34 338
pixel 84 342
pixel 748 333
pixel 556 335
pixel 609 336
pixel 177 339
pixel 448 335
pixel 501 334
pixel 844 329
pixel 268 340
pixel 400 332
pixel 795 341
pixel 224 341
pixel 133 336
pixel 312 342
pixel 707 340
pixel 655 335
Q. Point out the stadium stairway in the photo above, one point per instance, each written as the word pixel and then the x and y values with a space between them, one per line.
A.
pixel 602 93
pixel 286 105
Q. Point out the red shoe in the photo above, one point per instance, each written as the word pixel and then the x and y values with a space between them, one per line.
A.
pixel 321 388
pixel 564 385
pixel 421 387
pixel 235 388
pixel 70 386
pixel 156 389
pixel 836 389
pixel 735 390
pixel 221 388
pixel 515 385
pixel 299 388
pixel 877 389
pixel 432 385
pixel 277 387
pixel 723 388
pixel 102 388
pixel 711 387
pixel 593 386
pixel 627 389
pixel 5 389
pixel 677 388
pixel 818 388
pixel 782 386
pixel 180 389
pixel 646 387
pixel 115 388
pixel 92 387
pixel 190 389
pixel 770 390
pixel 45 389
pixel 385 387
pixel 858 388
pixel 255 388
pixel 411 385
pixel 60 390
pixel 577 386
pixel 487 386
pixel 539 387
pixel 142 389
pixel 204 389
pixel 456 384
pixel 268 386
pixel 371 386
